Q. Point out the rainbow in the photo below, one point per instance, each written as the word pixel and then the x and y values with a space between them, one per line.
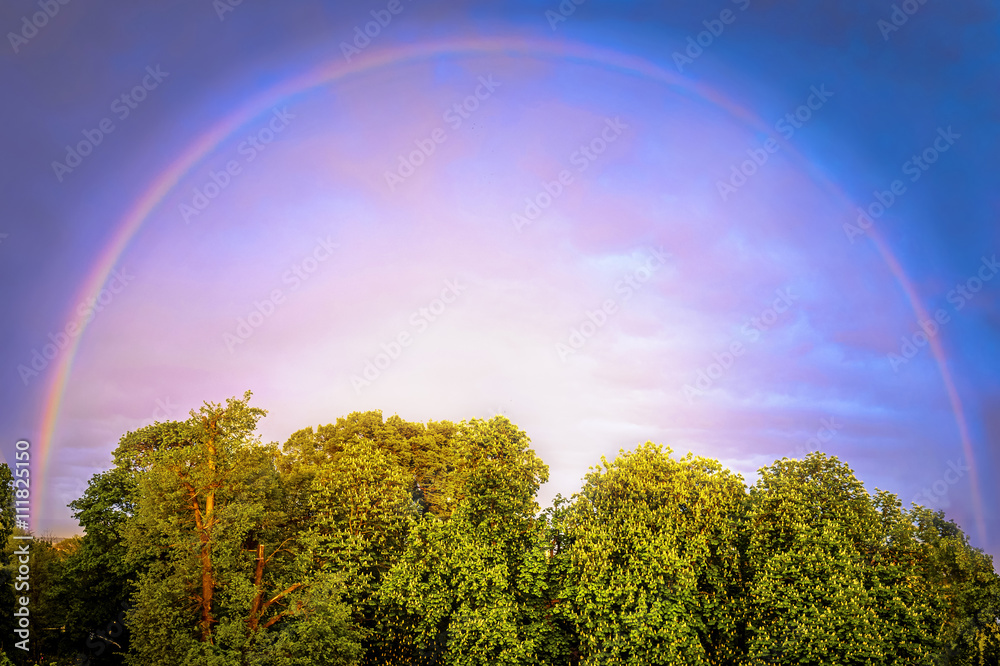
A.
pixel 370 60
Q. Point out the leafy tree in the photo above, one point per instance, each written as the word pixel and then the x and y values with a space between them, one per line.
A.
pixel 323 633
pixel 967 588
pixel 359 486
pixel 46 605
pixel 655 556
pixel 434 465
pixel 380 541
pixel 560 581
pixel 833 575
pixel 470 589
pixel 222 579
pixel 7 637
pixel 97 580
pixel 363 510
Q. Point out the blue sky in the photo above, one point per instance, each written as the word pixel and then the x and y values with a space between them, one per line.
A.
pixel 621 226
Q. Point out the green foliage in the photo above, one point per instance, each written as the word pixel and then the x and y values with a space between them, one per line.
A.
pixel 7 637
pixel 433 462
pixel 209 526
pixel 967 590
pixel 324 634
pixel 46 562
pixel 380 541
pixel 97 579
pixel 6 505
pixel 832 571
pixel 362 507
pixel 655 555
pixel 472 589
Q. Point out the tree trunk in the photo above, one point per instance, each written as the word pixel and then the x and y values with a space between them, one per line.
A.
pixel 257 579
pixel 207 588
pixel 205 534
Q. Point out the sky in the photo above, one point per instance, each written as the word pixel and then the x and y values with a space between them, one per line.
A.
pixel 741 228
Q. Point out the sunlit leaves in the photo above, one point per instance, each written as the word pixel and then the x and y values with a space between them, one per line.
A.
pixel 655 555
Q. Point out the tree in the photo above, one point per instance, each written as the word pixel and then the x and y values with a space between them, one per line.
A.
pixel 435 466
pixel 469 588
pixel 380 541
pixel 7 636
pixel 559 583
pixel 967 591
pixel 97 580
pixel 359 486
pixel 833 571
pixel 363 509
pixel 223 580
pixel 656 560
pixel 45 560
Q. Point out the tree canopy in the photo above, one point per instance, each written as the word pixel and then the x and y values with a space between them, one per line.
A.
pixel 375 540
